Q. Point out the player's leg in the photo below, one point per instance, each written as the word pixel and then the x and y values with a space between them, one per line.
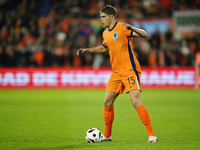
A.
pixel 110 99
pixel 135 96
pixel 113 89
pixel 109 113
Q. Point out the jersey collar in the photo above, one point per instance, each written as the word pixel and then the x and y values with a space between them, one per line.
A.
pixel 113 26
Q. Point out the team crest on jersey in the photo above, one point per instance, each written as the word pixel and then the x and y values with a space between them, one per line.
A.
pixel 115 36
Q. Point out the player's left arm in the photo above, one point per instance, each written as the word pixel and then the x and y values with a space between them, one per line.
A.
pixel 137 32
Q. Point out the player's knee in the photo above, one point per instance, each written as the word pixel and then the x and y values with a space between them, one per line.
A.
pixel 108 103
pixel 136 102
pixel 110 98
pixel 135 97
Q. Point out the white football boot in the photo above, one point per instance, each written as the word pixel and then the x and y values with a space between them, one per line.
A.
pixel 103 138
pixel 153 139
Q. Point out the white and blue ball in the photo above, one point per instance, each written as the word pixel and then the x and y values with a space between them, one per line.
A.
pixel 93 135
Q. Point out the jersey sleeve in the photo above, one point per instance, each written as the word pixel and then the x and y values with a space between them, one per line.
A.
pixel 128 33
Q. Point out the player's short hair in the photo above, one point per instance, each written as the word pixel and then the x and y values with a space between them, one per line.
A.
pixel 109 10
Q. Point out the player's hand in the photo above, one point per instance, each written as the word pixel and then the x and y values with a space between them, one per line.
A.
pixel 80 51
pixel 128 26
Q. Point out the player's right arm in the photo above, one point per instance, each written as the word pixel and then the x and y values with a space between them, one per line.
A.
pixel 98 50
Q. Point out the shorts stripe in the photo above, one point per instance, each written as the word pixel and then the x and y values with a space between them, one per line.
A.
pixel 132 60
pixel 137 83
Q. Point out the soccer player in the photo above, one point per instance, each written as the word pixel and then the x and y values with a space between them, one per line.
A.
pixel 126 70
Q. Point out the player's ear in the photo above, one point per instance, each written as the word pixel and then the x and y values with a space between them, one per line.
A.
pixel 112 16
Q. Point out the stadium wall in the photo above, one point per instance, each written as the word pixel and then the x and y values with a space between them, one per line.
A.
pixel 167 77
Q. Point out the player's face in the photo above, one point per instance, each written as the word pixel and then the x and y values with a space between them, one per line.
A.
pixel 105 19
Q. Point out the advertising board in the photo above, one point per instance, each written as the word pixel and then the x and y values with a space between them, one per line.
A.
pixel 92 78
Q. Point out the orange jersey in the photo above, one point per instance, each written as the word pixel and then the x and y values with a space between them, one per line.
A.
pixel 120 44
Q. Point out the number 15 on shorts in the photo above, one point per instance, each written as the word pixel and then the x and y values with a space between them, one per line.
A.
pixel 131 81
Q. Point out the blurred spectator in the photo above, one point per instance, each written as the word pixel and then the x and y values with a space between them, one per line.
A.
pixel 47 33
pixel 155 40
pixel 152 58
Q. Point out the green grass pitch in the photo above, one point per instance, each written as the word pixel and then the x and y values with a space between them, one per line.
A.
pixel 57 119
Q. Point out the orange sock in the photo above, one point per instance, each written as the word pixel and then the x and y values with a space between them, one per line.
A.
pixel 108 120
pixel 144 117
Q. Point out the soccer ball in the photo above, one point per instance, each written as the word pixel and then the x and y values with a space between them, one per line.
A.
pixel 93 135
